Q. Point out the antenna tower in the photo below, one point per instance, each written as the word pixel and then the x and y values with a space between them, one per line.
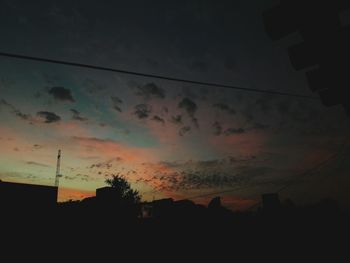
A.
pixel 58 168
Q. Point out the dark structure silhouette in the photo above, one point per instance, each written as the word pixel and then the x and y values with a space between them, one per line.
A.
pixel 106 194
pixel 325 51
pixel 215 203
pixel 19 196
pixel 117 202
pixel 106 221
pixel 271 202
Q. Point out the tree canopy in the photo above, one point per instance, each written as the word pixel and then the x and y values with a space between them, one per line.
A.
pixel 123 189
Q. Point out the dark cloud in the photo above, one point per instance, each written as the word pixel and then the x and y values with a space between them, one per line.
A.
pixel 247 113
pixel 190 107
pixel 259 126
pixel 224 107
pixel 176 119
pixel 232 131
pixel 184 130
pixel 15 111
pixel 3 103
pixel 192 94
pixel 200 180
pixel 265 103
pixel 151 90
pixel 158 119
pixel 116 103
pixel 38 164
pixel 68 177
pixel 142 111
pixel 22 115
pixel 195 122
pixel 77 116
pixel 165 109
pixel 61 94
pixel 92 139
pixel 31 177
pixel 107 164
pixel 37 146
pixel 217 128
pixel 49 117
pixel 209 174
pixel 82 177
pixel 304 117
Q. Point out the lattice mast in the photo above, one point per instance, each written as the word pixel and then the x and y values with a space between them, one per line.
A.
pixel 58 168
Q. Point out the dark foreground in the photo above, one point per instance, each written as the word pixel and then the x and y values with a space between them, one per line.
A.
pixel 293 233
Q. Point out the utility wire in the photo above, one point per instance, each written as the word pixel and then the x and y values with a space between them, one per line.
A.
pixel 270 182
pixel 319 165
pixel 316 167
pixel 308 172
pixel 227 191
pixel 305 173
pixel 75 64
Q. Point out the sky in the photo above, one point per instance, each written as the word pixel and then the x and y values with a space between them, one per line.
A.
pixel 169 139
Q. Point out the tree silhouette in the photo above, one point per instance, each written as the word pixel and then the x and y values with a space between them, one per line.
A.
pixel 123 190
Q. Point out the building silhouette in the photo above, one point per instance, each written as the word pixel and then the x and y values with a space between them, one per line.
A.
pixel 270 202
pixel 107 194
pixel 324 53
pixel 19 196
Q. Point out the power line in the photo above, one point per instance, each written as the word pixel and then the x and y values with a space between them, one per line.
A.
pixel 227 191
pixel 305 173
pixel 308 172
pixel 140 74
pixel 316 167
pixel 319 165
pixel 270 182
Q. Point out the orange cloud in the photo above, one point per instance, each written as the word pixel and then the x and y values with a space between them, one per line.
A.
pixel 108 148
pixel 242 144
pixel 72 128
pixel 11 142
pixel 65 194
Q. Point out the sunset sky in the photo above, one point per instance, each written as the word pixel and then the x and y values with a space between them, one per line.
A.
pixel 169 139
